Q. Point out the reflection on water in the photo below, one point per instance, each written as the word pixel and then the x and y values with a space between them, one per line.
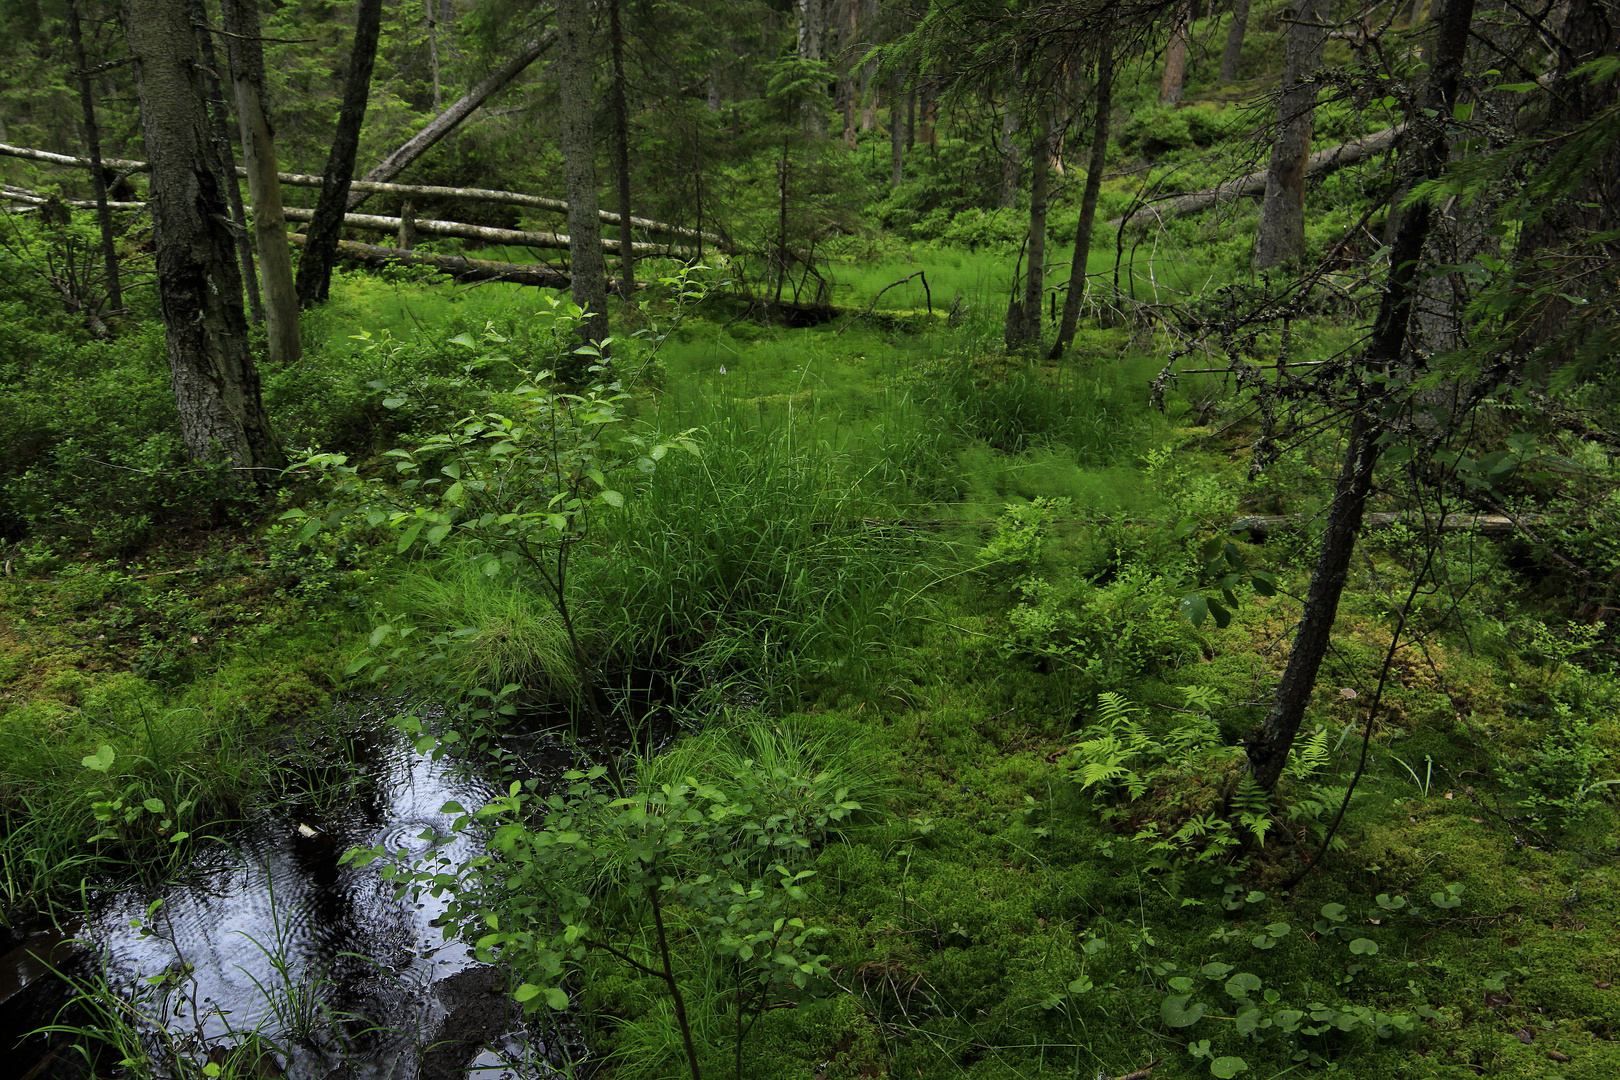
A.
pixel 274 929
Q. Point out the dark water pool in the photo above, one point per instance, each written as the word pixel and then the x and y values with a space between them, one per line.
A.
pixel 270 933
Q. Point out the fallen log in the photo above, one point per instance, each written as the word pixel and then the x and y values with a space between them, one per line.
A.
pixel 1261 526
pixel 1253 186
pixel 457 266
pixel 420 191
pixel 447 121
pixel 487 234
pixel 7 150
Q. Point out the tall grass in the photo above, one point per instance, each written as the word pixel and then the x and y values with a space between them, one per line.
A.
pixel 169 778
pixel 758 553
pixel 492 630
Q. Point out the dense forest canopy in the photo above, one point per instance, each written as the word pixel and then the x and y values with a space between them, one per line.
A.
pixel 1050 538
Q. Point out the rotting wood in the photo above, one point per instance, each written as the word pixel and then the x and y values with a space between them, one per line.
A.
pixel 1253 185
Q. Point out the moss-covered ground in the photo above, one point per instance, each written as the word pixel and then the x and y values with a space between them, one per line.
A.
pixel 988 913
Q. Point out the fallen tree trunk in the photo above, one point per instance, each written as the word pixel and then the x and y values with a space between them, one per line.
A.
pixel 447 121
pixel 34 199
pixel 485 233
pixel 457 266
pixel 1484 524
pixel 1253 185
pixel 422 191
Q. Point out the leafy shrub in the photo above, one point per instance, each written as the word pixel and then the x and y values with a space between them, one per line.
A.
pixel 1157 130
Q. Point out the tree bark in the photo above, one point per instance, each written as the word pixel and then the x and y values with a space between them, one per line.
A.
pixel 219 116
pixel 92 144
pixel 199 286
pixel 1102 104
pixel 621 140
pixel 576 105
pixel 1175 55
pixel 1233 53
pixel 315 268
pixel 1387 348
pixel 447 121
pixel 246 60
pixel 1281 241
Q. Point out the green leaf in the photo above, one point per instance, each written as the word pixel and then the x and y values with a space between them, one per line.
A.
pixel 101 760
pixel 1227 1067
pixel 154 805
pixel 1195 608
pixel 557 998
pixel 1242 984
pixel 1178 1013
pixel 526 992
pixel 1364 946
pixel 409 538
pixel 612 498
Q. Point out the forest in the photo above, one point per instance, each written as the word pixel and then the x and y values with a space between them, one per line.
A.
pixel 680 539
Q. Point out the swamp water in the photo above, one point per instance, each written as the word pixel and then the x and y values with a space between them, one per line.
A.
pixel 268 932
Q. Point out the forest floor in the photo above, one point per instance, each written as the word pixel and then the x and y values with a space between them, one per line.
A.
pixel 949 580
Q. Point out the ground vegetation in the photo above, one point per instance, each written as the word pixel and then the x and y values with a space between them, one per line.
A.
pixel 1229 689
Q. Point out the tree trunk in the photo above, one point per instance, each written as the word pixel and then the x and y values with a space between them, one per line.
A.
pixel 846 61
pixel 246 53
pixel 1040 167
pixel 1175 55
pixel 1234 41
pixel 1011 155
pixel 199 286
pixel 1282 215
pixel 1102 103
pixel 457 266
pixel 447 121
pixel 315 267
pixel 897 135
pixel 1268 749
pixel 432 13
pixel 1589 30
pixel 911 118
pixel 929 136
pixel 576 105
pixel 92 144
pixel 812 31
pixel 621 145
pixel 1024 314
pixel 215 93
